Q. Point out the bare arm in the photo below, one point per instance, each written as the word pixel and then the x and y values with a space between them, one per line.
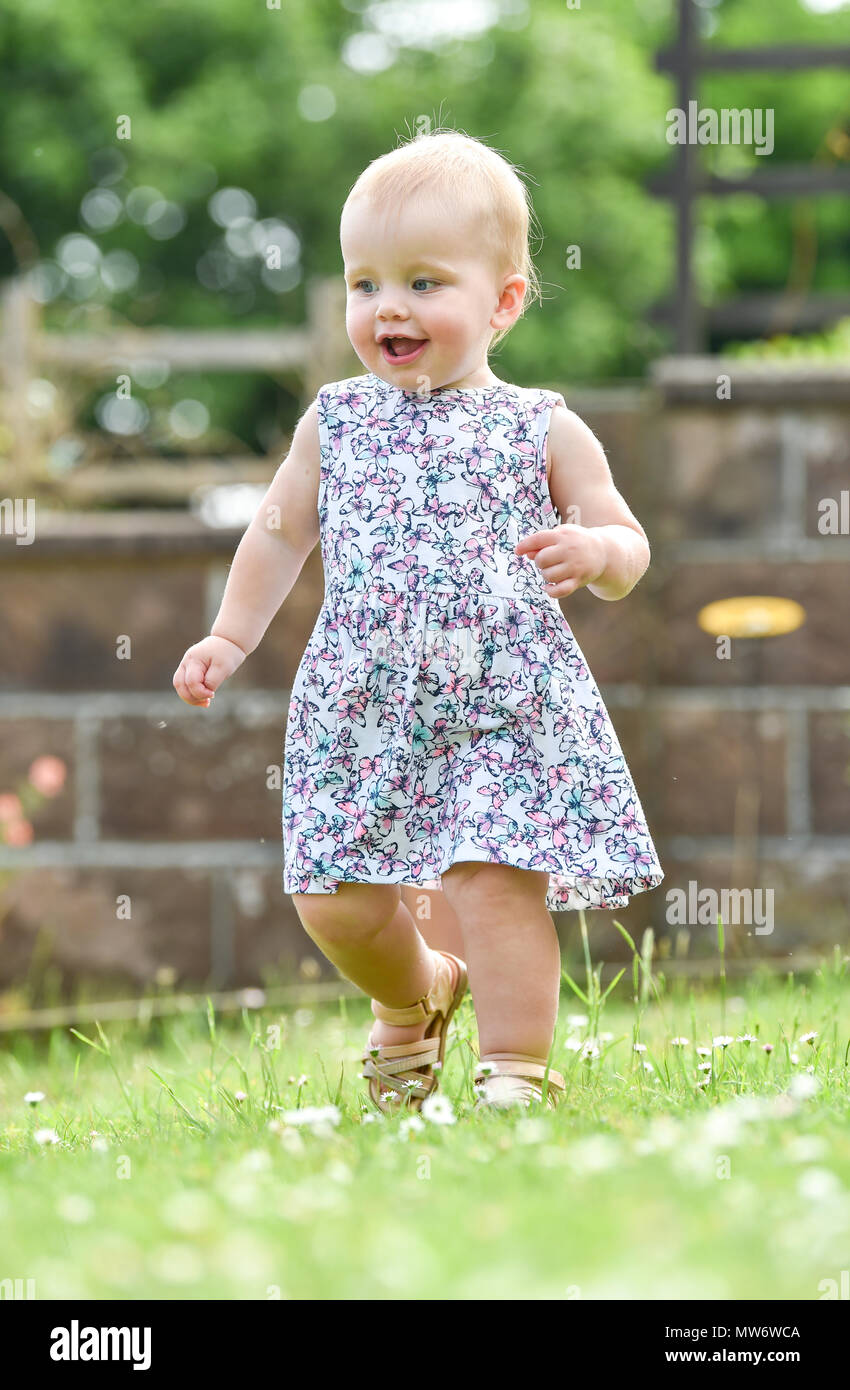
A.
pixel 581 487
pixel 271 554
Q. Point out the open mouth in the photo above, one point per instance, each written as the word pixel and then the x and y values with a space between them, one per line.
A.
pixel 401 350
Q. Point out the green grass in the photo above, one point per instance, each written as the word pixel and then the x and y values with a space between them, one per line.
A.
pixel 643 1184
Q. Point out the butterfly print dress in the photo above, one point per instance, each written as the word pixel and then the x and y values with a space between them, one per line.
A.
pixel 442 710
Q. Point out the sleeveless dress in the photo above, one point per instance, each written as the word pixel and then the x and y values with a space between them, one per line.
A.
pixel 442 710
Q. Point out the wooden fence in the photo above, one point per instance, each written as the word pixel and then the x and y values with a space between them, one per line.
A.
pixel 314 353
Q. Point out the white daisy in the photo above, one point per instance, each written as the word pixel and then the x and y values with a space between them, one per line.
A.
pixel 311 1115
pixel 438 1110
pixel 639 1047
pixel 46 1136
pixel 412 1122
pixel 746 1038
pixel 808 1038
pixel 803 1086
pixel 723 1041
pixel 703 1051
pixel 679 1042
pixel 704 1066
pixel 33 1097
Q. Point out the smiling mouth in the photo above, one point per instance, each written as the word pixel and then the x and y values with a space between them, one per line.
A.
pixel 401 350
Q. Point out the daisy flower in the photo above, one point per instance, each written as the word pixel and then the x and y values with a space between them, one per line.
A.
pixel 33 1097
pixel 680 1042
pixel 639 1047
pixel 438 1110
pixel 413 1122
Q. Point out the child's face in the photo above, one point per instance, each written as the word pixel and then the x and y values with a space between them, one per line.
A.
pixel 417 272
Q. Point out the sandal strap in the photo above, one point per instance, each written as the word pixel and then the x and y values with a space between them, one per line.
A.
pixel 523 1065
pixel 427 1005
pixel 398 1056
pixel 387 1070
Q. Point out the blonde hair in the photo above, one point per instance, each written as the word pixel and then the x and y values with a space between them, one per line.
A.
pixel 470 175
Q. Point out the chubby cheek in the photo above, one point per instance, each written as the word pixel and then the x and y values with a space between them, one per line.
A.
pixel 358 327
pixel 444 328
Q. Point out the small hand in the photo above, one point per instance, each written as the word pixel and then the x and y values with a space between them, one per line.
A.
pixel 568 556
pixel 204 667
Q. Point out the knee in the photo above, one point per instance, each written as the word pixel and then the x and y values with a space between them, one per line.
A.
pixel 476 888
pixel 355 912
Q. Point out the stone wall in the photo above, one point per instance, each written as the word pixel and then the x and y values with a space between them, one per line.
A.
pixel 162 850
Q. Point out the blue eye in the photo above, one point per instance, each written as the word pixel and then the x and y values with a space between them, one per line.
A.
pixel 420 280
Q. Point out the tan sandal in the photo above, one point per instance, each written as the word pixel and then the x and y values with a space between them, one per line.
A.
pixel 510 1082
pixel 401 1075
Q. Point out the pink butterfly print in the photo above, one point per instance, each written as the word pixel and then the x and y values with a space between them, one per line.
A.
pixel 393 505
pixel 441 513
pixel 360 817
pixel 479 550
pixel 386 818
pixel 629 822
pixel 370 767
pixel 425 829
pixel 412 571
pixel 478 456
pixel 606 792
pixel 560 827
pixel 416 536
pixel 639 858
pixel 496 793
pixel 542 859
pixel 301 787
pixel 388 863
pixel 423 800
pixel 351 707
pixel 589 831
pixel 561 773
pixel 425 448
pixel 486 821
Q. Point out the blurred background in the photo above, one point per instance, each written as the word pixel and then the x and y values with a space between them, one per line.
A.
pixel 172 298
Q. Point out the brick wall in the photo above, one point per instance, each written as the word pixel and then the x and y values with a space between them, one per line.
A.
pixel 162 851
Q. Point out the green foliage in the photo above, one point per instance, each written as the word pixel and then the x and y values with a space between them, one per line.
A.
pixel 167 1159
pixel 215 95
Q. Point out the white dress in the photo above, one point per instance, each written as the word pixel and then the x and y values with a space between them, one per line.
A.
pixel 442 710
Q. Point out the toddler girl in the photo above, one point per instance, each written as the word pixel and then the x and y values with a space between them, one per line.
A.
pixel 443 727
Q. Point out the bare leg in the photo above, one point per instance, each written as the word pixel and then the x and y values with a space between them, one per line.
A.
pixel 512 952
pixel 435 917
pixel 366 931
